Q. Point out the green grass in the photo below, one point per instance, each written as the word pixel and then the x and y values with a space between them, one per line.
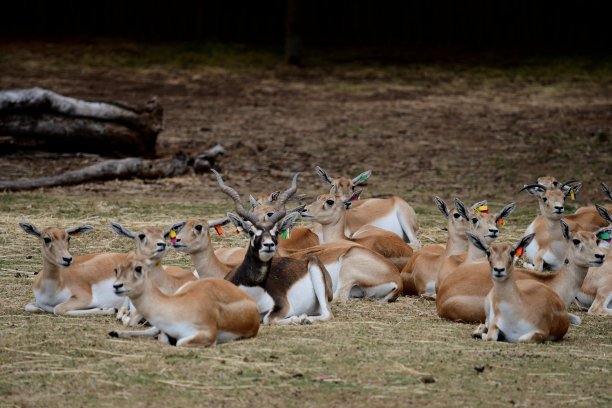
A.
pixel 372 354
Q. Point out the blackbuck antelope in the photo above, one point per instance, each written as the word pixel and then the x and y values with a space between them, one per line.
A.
pixel 330 211
pixel 421 272
pixel 595 295
pixel 199 313
pixel 67 285
pixel 518 311
pixel 151 243
pixel 481 224
pixel 548 249
pixel 391 214
pixel 193 238
pixel 462 294
pixel 286 290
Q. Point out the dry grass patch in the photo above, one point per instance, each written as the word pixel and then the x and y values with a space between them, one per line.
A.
pixel 371 354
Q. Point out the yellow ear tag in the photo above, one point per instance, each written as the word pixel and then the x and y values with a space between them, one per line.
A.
pixel 218 229
pixel 483 209
pixel 501 221
pixel 172 235
pixel 572 195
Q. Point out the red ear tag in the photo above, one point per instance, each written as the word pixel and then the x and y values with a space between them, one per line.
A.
pixel 519 252
pixel 218 229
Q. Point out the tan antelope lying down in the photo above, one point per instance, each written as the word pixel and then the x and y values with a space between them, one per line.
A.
pixel 286 290
pixel 199 313
pixel 518 311
pixel 391 214
pixel 420 274
pixel 74 286
pixel 330 212
pixel 548 249
pixel 462 294
pixel 150 242
pixel 595 295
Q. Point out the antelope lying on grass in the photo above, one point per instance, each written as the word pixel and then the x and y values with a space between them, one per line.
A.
pixel 518 311
pixel 74 286
pixel 420 274
pixel 462 294
pixel 330 212
pixel 286 290
pixel 391 214
pixel 595 295
pixel 199 313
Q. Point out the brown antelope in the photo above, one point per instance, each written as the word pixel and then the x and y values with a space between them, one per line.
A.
pixel 482 224
pixel 420 274
pixel 68 285
pixel 595 295
pixel 548 249
pixel 330 212
pixel 286 290
pixel 150 242
pixel 199 313
pixel 518 311
pixel 462 294
pixel 391 214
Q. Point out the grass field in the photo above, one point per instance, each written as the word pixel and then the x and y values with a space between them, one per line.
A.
pixel 372 354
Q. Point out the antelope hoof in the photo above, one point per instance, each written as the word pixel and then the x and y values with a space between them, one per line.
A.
pixel 113 333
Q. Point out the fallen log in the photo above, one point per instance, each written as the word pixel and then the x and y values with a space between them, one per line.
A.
pixel 50 121
pixel 132 167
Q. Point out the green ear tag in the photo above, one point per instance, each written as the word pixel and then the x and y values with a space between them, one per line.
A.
pixel 285 234
pixel 363 178
pixel 605 236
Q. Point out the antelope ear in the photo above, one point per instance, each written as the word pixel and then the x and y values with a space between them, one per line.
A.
pixel 441 206
pixel 30 229
pixel 604 213
pixel 81 229
pixel 566 230
pixel 253 201
pixel 176 227
pixel 298 197
pixel 298 210
pixel 603 231
pixel 362 178
pixel 324 175
pixel 274 196
pixel 536 190
pixel 239 222
pixel 287 223
pixel 477 242
pixel 575 188
pixel 479 204
pixel 356 195
pixel 505 212
pixel 121 230
pixel 524 242
pixel 221 222
pixel 606 190
pixel 461 209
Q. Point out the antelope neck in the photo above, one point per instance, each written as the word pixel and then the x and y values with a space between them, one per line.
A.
pixel 207 264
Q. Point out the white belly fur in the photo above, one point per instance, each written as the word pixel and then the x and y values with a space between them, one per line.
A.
pixel 263 299
pixel 512 327
pixel 48 296
pixel 302 299
pixel 391 223
pixel 103 295
pixel 334 273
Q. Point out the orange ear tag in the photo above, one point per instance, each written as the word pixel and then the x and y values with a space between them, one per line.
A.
pixel 501 221
pixel 218 229
pixel 519 252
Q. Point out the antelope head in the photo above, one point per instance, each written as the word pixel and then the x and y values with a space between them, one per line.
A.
pixel 551 200
pixel 342 186
pixel 501 256
pixel 193 235
pixel 584 246
pixel 55 242
pixel 149 241
pixel 262 233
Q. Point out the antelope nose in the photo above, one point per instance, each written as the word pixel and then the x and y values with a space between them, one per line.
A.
pixel 117 286
pixel 161 245
pixel 559 208
pixel 269 245
pixel 499 270
pixel 493 231
pixel 600 256
pixel 67 259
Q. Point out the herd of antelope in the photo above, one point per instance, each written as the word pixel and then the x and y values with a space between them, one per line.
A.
pixel 355 249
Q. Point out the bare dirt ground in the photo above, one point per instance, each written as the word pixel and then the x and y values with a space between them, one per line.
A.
pixel 471 130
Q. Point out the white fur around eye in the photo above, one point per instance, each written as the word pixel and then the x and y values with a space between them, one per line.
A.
pixel 258 232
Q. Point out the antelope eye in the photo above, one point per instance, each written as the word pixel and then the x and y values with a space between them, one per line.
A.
pixel 329 202
pixel 456 215
pixel 251 233
pixel 576 241
pixel 142 237
pixel 47 240
pixel 474 220
pixel 544 199
pixel 270 214
pixel 138 269
pixel 198 228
